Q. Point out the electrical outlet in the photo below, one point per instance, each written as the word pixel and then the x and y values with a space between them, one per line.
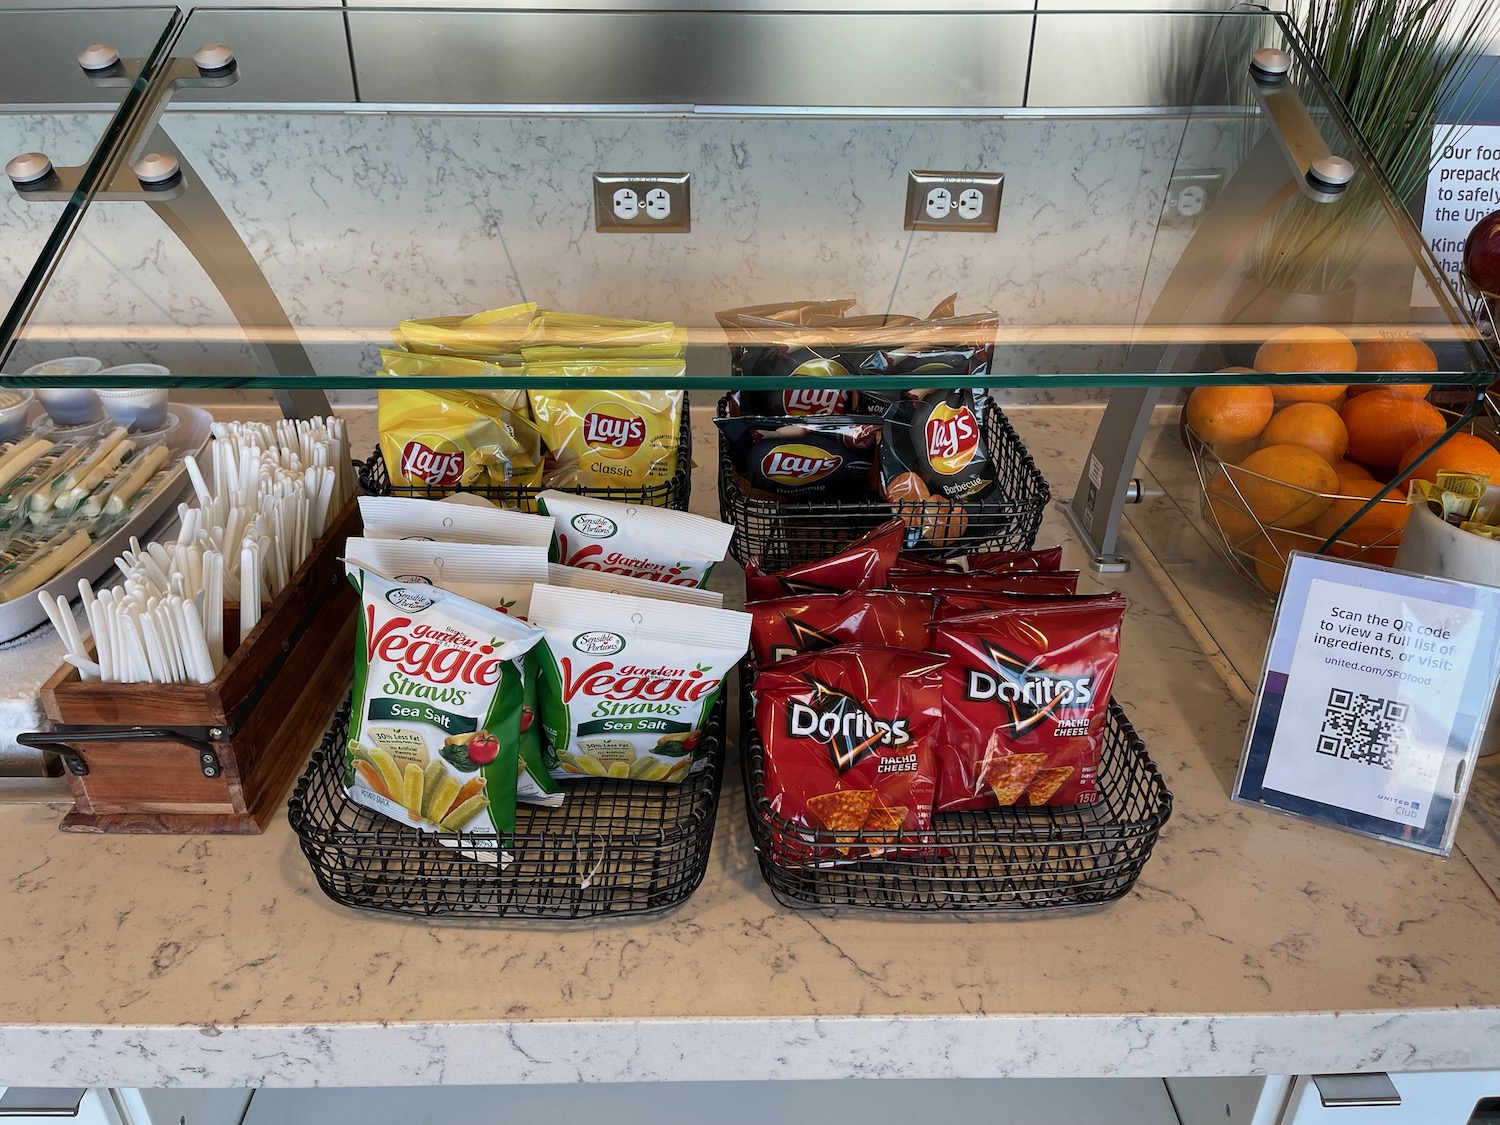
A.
pixel 1190 192
pixel 953 200
pixel 642 202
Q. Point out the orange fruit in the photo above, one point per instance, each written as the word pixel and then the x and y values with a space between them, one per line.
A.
pixel 1410 390
pixel 1462 453
pixel 1347 468
pixel 1383 426
pixel 1309 424
pixel 1394 353
pixel 1228 414
pixel 1271 553
pixel 1326 393
pixel 1283 484
pixel 1232 453
pixel 1308 349
pixel 1226 511
pixel 1384 555
pixel 1382 524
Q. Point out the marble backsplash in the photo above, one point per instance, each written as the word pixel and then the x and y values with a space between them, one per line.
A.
pixel 360 220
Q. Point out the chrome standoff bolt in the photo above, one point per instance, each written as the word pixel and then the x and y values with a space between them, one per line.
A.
pixel 1270 64
pixel 98 56
pixel 156 169
pixel 1330 174
pixel 213 56
pixel 215 733
pixel 28 168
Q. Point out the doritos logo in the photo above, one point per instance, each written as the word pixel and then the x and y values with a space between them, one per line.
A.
pixel 837 720
pixel 422 462
pixel 798 464
pixel 609 429
pixel 952 438
pixel 1027 694
pixel 804 638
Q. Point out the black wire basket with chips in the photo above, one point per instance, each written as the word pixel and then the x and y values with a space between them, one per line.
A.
pixel 785 532
pixel 613 848
pixel 375 478
pixel 1014 858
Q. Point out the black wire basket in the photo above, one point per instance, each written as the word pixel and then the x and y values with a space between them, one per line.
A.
pixel 614 847
pixel 783 534
pixel 674 493
pixel 1015 858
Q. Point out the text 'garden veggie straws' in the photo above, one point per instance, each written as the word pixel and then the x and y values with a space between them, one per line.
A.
pixel 443 712
pixel 635 540
pixel 628 684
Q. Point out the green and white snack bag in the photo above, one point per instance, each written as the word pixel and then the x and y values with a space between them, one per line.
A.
pixel 498 577
pixel 443 713
pixel 444 521
pixel 576 578
pixel 635 540
pixel 627 684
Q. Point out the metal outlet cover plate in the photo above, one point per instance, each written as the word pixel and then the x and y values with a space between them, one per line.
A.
pixel 954 201
pixel 643 202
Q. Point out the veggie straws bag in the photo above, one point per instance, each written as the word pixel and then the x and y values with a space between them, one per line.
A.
pixel 630 682
pixel 443 712
pixel 635 540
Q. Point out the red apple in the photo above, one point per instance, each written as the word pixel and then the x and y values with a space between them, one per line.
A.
pixel 1482 254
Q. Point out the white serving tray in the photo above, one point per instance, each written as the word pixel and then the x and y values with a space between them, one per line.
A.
pixel 25 613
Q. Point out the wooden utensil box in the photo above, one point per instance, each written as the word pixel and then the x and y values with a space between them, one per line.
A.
pixel 216 757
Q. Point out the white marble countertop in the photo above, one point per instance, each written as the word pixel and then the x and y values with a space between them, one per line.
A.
pixel 1252 944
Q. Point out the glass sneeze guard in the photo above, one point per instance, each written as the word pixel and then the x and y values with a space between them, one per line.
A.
pixel 50 104
pixel 366 167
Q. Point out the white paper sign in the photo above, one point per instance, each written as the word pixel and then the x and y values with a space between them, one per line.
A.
pixel 1463 188
pixel 1373 699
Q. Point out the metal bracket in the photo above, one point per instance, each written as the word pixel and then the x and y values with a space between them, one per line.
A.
pixel 1340 1090
pixel 1319 173
pixel 185 203
pixel 61 740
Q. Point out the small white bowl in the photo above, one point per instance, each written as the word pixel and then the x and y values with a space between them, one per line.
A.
pixel 143 408
pixel 69 366
pixel 160 435
pixel 70 406
pixel 14 406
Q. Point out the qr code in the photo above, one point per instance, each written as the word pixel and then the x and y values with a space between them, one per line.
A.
pixel 1363 728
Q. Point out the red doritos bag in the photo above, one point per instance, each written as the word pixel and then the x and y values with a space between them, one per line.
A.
pixel 1004 582
pixel 1025 701
pixel 988 562
pixel 948 604
pixel 863 565
pixel 781 628
pixel 849 745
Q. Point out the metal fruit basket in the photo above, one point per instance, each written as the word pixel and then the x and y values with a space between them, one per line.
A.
pixel 1260 550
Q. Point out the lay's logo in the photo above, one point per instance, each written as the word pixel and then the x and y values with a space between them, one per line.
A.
pixel 422 462
pixel 812 401
pixel 952 438
pixel 792 465
pixel 611 430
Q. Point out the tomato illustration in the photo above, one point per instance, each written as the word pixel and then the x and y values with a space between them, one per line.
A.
pixel 484 748
pixel 527 715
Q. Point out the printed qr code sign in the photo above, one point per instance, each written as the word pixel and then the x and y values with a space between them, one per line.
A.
pixel 1363 728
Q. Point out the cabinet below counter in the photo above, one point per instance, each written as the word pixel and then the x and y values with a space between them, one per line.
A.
pixel 1252 944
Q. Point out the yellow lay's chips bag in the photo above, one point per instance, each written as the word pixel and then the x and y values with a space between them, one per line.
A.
pixel 445 440
pixel 493 333
pixel 510 407
pixel 605 438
